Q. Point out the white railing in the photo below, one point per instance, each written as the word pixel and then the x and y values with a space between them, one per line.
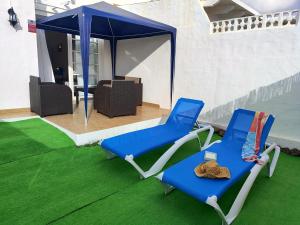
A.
pixel 266 21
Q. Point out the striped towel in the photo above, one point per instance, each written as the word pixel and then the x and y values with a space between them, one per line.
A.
pixel 251 147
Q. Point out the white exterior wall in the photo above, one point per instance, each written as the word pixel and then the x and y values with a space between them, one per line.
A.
pixel 149 59
pixel 18 58
pixel 224 70
pixel 271 6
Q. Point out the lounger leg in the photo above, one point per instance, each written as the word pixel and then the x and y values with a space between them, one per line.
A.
pixel 143 174
pixel 167 188
pixel 212 201
pixel 130 159
pixel 109 155
pixel 272 165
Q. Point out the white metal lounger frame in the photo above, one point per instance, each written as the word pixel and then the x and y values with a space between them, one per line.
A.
pixel 243 193
pixel 161 162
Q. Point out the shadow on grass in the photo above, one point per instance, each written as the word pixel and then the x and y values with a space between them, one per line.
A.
pixel 29 138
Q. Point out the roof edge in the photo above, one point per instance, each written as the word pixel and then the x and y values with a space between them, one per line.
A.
pixel 246 6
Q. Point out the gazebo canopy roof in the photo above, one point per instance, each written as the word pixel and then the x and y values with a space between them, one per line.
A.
pixel 108 22
pixel 105 21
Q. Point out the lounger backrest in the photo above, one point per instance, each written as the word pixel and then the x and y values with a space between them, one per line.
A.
pixel 185 113
pixel 239 126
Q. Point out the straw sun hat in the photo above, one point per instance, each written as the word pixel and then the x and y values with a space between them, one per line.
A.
pixel 211 169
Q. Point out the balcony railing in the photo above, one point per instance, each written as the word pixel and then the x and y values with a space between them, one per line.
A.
pixel 266 21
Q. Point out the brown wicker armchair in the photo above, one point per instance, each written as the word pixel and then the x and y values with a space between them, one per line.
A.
pixel 49 98
pixel 115 98
pixel 137 85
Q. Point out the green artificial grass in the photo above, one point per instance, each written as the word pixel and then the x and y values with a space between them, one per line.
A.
pixel 29 137
pixel 46 179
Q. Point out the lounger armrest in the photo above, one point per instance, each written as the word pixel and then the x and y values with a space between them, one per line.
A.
pixel 273 163
pixel 202 127
pixel 270 148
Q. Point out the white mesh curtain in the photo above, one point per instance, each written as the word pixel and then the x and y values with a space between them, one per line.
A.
pixel 45 67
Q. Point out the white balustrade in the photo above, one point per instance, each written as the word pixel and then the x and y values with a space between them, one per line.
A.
pixel 266 21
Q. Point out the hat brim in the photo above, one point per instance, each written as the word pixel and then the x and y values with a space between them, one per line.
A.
pixel 224 173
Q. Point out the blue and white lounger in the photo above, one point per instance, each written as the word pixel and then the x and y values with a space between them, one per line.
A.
pixel 178 129
pixel 181 175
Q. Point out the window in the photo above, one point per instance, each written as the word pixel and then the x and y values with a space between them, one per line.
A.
pixel 93 64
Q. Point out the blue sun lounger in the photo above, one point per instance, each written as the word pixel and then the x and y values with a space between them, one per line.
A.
pixel 181 175
pixel 177 130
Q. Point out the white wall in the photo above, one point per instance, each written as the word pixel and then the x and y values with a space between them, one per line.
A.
pixel 105 57
pixel 139 58
pixel 222 69
pixel 18 57
pixel 269 6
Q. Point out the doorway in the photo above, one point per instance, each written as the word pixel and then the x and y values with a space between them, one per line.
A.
pixel 57 44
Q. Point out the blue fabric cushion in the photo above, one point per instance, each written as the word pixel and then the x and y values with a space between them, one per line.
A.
pixel 182 176
pixel 138 142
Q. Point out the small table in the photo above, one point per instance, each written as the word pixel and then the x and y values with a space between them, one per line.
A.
pixel 91 90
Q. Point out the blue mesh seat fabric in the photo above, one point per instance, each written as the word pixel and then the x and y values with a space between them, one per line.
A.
pixel 180 122
pixel 181 175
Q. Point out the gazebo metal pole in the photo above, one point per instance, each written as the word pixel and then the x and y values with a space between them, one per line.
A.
pixel 85 32
pixel 113 49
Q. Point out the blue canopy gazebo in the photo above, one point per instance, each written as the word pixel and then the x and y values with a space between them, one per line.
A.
pixel 105 21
